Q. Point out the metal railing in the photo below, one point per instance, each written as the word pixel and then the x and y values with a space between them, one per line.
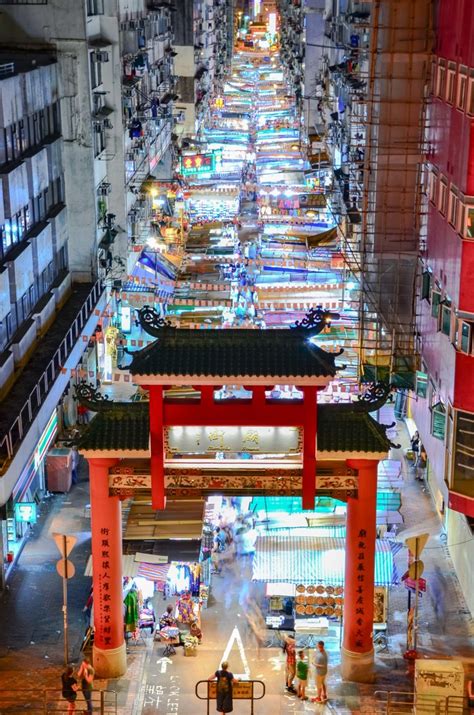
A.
pixel 6 68
pixel 400 703
pixel 10 441
pixel 44 702
pixel 242 690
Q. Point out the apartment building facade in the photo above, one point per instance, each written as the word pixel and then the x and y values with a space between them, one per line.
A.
pixel 203 41
pixel 46 317
pixel 85 116
pixel 443 404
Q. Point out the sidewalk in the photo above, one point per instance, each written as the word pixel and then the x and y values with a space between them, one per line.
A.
pixel 31 619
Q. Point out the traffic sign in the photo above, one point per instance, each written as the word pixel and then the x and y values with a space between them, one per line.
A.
pixel 411 584
pixel 416 544
pixel 415 570
pixel 65 568
pixel 65 543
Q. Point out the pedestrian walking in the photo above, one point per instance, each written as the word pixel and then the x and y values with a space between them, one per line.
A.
pixel 290 652
pixel 218 548
pixel 86 673
pixel 320 662
pixel 415 444
pixel 225 681
pixel 69 689
pixel 302 675
pixel 74 464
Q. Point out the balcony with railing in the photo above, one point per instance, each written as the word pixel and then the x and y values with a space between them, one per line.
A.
pixel 22 404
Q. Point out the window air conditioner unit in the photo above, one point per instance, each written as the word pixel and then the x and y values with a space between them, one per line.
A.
pixel 108 124
pixel 100 57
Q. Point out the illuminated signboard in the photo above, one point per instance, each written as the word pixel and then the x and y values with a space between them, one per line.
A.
pixel 25 511
pixel 198 164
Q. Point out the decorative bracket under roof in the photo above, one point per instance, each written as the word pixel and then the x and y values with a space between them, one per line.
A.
pixel 373 398
pixel 316 320
pixel 89 396
pixel 151 322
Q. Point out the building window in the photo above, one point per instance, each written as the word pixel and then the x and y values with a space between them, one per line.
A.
pixel 470 93
pixel 432 185
pixel 426 277
pixel 96 70
pixel 468 222
pixel 451 82
pixel 441 79
pixel 461 89
pixel 421 384
pixel 433 77
pixel 443 197
pixel 435 302
pixel 446 314
pixel 99 139
pixel 453 209
pixel 438 421
pixel 464 337
pixel 95 7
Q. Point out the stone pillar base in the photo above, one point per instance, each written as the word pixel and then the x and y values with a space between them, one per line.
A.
pixel 110 663
pixel 358 667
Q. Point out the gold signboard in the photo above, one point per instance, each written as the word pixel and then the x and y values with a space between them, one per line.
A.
pixel 233 440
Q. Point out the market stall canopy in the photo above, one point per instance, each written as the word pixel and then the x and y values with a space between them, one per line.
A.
pixel 311 559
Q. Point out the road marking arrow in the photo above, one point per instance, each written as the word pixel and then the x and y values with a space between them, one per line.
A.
pixel 276 662
pixel 164 662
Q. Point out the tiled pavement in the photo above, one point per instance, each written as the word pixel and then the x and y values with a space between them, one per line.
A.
pixel 31 645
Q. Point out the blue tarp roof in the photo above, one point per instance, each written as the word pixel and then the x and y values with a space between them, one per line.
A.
pixel 312 560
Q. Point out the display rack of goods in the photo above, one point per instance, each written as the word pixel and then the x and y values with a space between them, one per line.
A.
pixel 319 601
pixel 190 644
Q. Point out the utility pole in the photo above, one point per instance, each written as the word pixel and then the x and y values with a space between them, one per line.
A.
pixel 66 570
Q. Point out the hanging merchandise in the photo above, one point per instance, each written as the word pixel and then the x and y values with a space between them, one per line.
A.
pixel 136 129
pixel 185 608
pixel 131 610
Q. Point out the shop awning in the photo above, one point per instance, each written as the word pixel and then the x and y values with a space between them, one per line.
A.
pixel 310 559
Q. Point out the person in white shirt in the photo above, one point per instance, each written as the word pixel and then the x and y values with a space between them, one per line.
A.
pixel 320 662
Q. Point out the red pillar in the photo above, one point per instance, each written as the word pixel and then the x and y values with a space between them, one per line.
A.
pixel 357 655
pixel 158 500
pixel 309 447
pixel 110 660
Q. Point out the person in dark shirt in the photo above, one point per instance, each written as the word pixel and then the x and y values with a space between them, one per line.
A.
pixel 69 689
pixel 225 681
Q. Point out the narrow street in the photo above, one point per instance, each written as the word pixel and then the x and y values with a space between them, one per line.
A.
pixel 253 243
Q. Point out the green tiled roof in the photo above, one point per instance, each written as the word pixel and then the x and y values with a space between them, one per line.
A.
pixel 231 352
pixel 341 429
pixel 126 427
